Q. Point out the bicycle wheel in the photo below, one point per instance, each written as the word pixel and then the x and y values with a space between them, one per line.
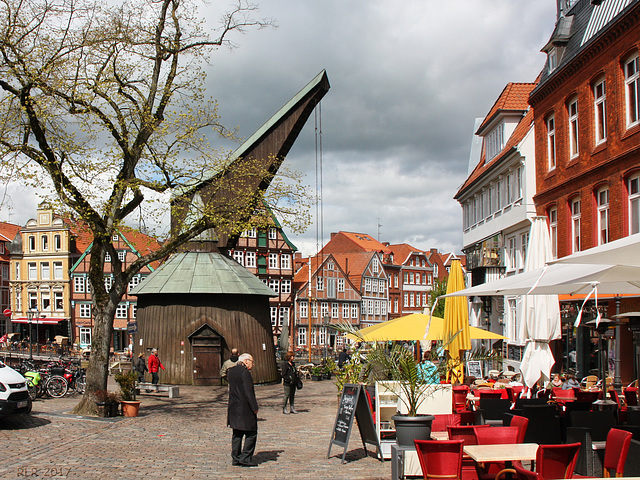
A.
pixel 57 386
pixel 33 393
pixel 81 384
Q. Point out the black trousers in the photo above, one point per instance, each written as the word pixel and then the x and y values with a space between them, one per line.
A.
pixel 154 377
pixel 240 454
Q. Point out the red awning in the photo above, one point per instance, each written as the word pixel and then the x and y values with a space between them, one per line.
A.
pixel 39 320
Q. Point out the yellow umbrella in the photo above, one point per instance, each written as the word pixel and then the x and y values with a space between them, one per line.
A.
pixel 456 319
pixel 412 327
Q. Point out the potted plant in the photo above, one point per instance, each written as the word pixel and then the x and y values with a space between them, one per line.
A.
pixel 107 403
pixel 127 383
pixel 317 373
pixel 329 368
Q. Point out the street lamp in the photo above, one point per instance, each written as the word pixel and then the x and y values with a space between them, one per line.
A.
pixel 31 314
pixel 325 325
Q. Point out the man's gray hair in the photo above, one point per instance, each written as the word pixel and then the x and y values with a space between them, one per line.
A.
pixel 244 356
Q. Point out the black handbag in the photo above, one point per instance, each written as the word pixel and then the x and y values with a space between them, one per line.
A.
pixel 299 383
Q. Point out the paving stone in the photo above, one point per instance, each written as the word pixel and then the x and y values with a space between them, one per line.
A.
pixel 182 438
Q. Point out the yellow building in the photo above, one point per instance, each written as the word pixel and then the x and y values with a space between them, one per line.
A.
pixel 39 277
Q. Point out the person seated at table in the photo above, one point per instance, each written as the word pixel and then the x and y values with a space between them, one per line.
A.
pixel 570 382
pixel 428 370
pixel 556 382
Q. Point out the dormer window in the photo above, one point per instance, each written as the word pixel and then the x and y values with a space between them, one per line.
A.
pixel 494 142
pixel 552 59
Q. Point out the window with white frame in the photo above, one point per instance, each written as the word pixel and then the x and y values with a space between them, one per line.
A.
pixel 494 142
pixel 376 307
pixel 122 255
pixel 45 243
pixel 314 309
pixel 395 280
pixel 304 309
pixel 553 231
pixel 57 242
pixel 107 257
pixel 45 300
pixel 45 272
pixel 32 243
pixel 78 284
pixel 85 310
pixel 273 234
pixel 108 282
pixel 367 284
pixel 632 84
pixel 274 316
pixel 411 300
pixel 634 204
pixel 331 266
pixel 285 261
pixel 375 265
pixel 519 182
pixel 115 238
pixel 383 307
pixel 335 310
pixel 573 127
pixel 511 253
pixel 382 286
pixel 283 316
pixel 575 225
pixel 285 286
pixel 121 310
pixel 250 259
pixel 324 309
pixel 396 305
pixel 274 284
pixel 374 285
pixel 85 336
pixel 57 270
pixel 406 299
pixel 58 301
pixel 331 287
pixel 238 256
pixel 499 187
pixel 602 197
pixel 354 310
pixel 17 272
pixel 341 284
pixel 32 270
pixel 322 335
pixel 551 143
pixel 424 299
pixel 134 282
pixel 32 298
pixel 411 278
pixel 134 311
pixel 251 233
pixel 319 283
pixel 313 335
pixel 600 110
pixel 524 244
pixel 273 260
pixel 345 310
pixel 302 335
pixel 509 189
pixel 369 307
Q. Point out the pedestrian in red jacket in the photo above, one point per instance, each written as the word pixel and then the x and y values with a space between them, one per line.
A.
pixel 154 365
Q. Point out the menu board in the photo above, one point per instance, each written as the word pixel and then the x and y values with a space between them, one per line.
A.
pixel 474 369
pixel 353 405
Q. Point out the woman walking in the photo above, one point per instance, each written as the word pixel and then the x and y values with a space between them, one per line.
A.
pixel 290 378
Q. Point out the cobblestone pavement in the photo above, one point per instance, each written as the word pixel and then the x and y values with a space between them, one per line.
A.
pixel 181 438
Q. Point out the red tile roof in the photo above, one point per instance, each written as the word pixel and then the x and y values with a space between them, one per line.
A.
pixel 401 252
pixel 514 97
pixel 346 242
pixel 8 231
pixel 354 265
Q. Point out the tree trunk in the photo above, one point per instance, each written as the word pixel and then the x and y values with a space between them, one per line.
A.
pixel 98 370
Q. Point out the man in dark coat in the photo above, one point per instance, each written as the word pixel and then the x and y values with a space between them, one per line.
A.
pixel 242 413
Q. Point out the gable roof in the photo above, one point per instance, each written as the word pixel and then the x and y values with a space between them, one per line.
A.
pixel 354 265
pixel 402 251
pixel 346 242
pixel 514 98
pixel 519 133
pixel 8 231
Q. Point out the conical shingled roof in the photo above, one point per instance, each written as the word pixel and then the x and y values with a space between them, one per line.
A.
pixel 202 272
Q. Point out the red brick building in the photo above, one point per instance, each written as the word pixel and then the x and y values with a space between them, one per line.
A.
pixel 416 277
pixel 587 131
pixel 8 232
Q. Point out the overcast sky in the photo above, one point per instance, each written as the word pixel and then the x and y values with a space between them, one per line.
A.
pixel 407 81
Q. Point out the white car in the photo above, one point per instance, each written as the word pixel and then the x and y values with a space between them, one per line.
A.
pixel 14 395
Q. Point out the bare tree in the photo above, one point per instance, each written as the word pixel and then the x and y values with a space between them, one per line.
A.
pixel 105 104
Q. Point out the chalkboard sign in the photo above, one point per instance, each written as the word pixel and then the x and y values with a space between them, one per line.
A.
pixel 474 369
pixel 353 405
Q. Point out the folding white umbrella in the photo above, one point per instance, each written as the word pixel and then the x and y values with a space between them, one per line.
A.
pixel 623 251
pixel 539 314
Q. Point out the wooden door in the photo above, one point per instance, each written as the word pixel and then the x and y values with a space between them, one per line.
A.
pixel 206 364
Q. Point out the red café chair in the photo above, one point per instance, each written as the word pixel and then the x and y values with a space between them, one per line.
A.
pixel 468 435
pixel 521 423
pixel 615 453
pixel 492 436
pixel 440 459
pixel 631 396
pixel 489 393
pixel 552 461
pixel 622 409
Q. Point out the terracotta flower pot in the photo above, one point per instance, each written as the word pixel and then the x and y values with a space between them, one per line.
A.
pixel 130 408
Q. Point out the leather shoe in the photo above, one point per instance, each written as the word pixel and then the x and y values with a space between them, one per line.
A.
pixel 252 463
pixel 236 464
